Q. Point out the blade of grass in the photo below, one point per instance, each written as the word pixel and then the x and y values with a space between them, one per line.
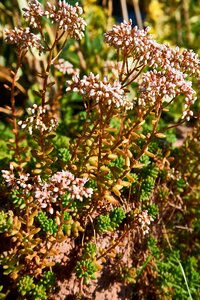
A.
pixel 144 265
pixel 184 276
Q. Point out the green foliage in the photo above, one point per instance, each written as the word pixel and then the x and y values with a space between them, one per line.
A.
pixel 179 278
pixel 145 160
pixel 89 250
pixel 152 245
pixel 86 269
pixel 64 154
pixel 149 173
pixel 153 210
pixel 25 285
pixel 117 215
pixel 112 221
pixel 17 199
pixel 147 188
pixel 116 167
pixel 47 224
pixel 176 276
pixel 71 227
pixel 48 279
pixel 67 227
pixel 39 292
pixel 6 221
pixel 74 206
pixel 180 185
pixel 118 163
pixel 6 134
pixel 2 295
pixel 103 223
pixel 128 275
pixel 36 291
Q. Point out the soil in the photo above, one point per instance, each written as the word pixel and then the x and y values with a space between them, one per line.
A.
pixel 104 287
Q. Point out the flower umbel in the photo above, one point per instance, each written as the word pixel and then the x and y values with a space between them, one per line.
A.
pixel 17 182
pixel 157 87
pixel 147 51
pixel 60 183
pixel 120 36
pixel 39 120
pixel 68 18
pixel 48 192
pixel 33 13
pixel 93 88
pixel 144 221
pixel 23 39
pixel 65 67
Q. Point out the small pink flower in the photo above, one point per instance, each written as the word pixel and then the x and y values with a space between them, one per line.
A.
pixel 39 120
pixel 33 13
pixel 93 88
pixel 59 184
pixel 144 220
pixel 23 39
pixel 68 18
pixel 65 67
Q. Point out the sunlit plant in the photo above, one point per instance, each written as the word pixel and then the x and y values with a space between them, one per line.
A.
pixel 112 180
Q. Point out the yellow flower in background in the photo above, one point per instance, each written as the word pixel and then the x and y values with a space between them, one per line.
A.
pixel 155 10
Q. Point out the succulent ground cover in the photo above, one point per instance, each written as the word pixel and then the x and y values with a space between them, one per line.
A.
pixel 91 183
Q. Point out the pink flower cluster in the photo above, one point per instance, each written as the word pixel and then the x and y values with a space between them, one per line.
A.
pixel 91 87
pixel 39 120
pixel 165 86
pixel 175 64
pixel 23 39
pixel 47 193
pixel 190 62
pixel 144 220
pixel 60 183
pixel 17 182
pixel 65 67
pixel 33 13
pixel 68 18
pixel 141 45
pixel 65 15
pixel 121 37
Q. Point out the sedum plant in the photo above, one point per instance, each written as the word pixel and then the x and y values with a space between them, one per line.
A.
pixel 110 182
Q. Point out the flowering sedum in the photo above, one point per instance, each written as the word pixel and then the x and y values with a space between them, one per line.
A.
pixel 60 183
pixel 39 120
pixel 65 67
pixel 144 220
pixel 91 87
pixel 133 175
pixel 65 15
pixel 120 36
pixel 21 181
pixel 33 13
pixel 148 52
pixel 48 192
pixel 157 86
pixel 23 39
pixel 68 18
pixel 174 65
